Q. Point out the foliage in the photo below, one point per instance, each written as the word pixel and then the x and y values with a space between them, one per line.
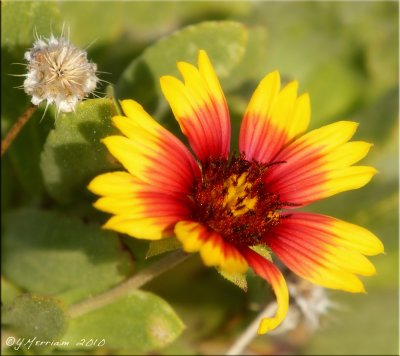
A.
pixel 55 254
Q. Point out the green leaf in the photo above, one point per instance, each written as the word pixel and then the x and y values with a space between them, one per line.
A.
pixel 238 279
pixel 295 47
pixel 8 291
pixel 37 316
pixel 193 10
pixel 20 20
pixel 48 253
pixel 252 65
pixel 225 43
pixel 164 245
pixel 140 322
pixel 138 20
pixel 263 250
pixel 73 153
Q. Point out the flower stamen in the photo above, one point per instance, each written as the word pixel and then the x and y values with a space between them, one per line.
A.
pixel 232 199
pixel 237 196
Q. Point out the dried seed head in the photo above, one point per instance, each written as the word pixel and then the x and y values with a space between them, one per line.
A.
pixel 310 303
pixel 59 73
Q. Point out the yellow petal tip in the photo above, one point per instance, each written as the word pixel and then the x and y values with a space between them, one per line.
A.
pixel 361 289
pixel 267 325
pixel 105 227
pixel 89 187
pixel 202 54
pixel 165 79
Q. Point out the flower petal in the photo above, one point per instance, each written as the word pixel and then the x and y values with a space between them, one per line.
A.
pixel 318 165
pixel 213 249
pixel 144 204
pixel 272 119
pixel 200 108
pixel 267 270
pixel 113 184
pixel 150 152
pixel 142 211
pixel 147 228
pixel 324 250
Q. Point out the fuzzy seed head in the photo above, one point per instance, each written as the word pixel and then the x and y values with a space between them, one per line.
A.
pixel 59 73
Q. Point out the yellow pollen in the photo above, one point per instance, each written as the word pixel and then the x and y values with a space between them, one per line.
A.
pixel 273 216
pixel 237 197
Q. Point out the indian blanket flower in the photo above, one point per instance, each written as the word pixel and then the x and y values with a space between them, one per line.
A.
pixel 224 205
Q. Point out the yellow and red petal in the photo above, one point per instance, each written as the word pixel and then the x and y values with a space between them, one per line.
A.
pixel 272 119
pixel 268 271
pixel 200 108
pixel 140 227
pixel 114 184
pixel 140 209
pixel 326 251
pixel 150 152
pixel 144 204
pixel 214 251
pixel 318 165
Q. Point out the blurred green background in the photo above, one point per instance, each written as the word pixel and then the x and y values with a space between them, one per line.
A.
pixel 345 54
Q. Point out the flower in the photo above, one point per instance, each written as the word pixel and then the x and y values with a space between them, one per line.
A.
pixel 224 206
pixel 58 73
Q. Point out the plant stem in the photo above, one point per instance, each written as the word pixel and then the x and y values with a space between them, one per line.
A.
pixel 16 128
pixel 251 331
pixel 124 288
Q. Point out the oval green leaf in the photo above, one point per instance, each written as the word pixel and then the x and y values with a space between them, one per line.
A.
pixel 36 316
pixel 140 322
pixel 224 41
pixel 73 153
pixel 49 253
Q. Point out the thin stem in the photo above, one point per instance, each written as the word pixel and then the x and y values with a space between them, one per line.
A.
pixel 124 288
pixel 251 331
pixel 16 128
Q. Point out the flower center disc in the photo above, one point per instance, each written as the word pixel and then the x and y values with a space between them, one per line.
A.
pixel 232 199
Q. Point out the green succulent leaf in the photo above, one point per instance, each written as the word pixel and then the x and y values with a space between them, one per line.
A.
pixel 164 245
pixel 225 43
pixel 73 153
pixel 140 322
pixel 52 254
pixel 20 20
pixel 252 67
pixel 135 20
pixel 238 279
pixel 32 315
pixel 9 291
